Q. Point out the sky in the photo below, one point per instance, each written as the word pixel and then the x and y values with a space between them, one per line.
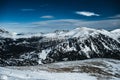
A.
pixel 50 15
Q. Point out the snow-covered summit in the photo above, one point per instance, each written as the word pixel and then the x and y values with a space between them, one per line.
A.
pixel 116 31
pixel 81 32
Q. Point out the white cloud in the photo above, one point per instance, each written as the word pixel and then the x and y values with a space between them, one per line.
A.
pixel 47 17
pixel 116 16
pixel 86 13
pixel 27 9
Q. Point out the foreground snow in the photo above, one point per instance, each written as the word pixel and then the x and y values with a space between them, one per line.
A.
pixel 10 74
pixel 91 69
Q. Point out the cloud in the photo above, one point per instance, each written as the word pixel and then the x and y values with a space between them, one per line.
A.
pixel 86 13
pixel 115 17
pixel 47 17
pixel 27 9
pixel 73 23
pixel 61 24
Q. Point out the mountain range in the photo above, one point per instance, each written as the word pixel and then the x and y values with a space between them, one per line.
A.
pixel 41 48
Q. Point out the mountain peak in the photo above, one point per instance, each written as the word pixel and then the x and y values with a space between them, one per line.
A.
pixel 83 28
pixel 81 32
pixel 116 31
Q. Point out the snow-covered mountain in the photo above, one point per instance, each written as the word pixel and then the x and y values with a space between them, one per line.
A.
pixel 77 44
pixel 116 33
pixel 4 33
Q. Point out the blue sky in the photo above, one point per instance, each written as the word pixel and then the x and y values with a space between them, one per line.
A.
pixel 50 15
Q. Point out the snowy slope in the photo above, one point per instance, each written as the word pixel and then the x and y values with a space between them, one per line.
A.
pixel 10 74
pixel 116 33
pixel 93 69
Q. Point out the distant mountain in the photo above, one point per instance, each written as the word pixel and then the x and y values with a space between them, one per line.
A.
pixel 6 34
pixel 3 31
pixel 77 44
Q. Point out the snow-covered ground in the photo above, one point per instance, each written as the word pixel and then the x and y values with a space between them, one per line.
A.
pixel 10 74
pixel 91 69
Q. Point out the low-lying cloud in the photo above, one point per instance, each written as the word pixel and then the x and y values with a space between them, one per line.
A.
pixel 115 16
pixel 62 24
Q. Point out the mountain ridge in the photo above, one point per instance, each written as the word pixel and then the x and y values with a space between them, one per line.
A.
pixel 77 44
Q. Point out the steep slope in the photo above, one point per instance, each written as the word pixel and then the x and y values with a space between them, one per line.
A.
pixel 23 51
pixel 84 43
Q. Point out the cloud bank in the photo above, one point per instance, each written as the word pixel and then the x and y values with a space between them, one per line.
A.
pixel 61 24
pixel 73 23
pixel 115 17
